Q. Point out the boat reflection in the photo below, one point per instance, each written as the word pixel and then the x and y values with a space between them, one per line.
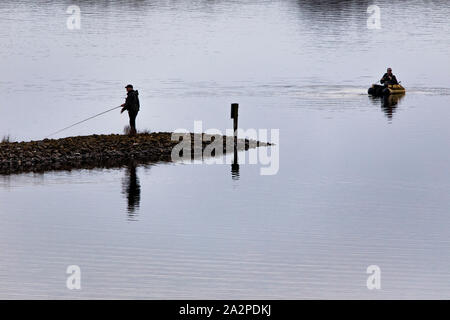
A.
pixel 390 103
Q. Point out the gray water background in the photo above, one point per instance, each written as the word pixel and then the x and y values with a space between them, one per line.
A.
pixel 359 183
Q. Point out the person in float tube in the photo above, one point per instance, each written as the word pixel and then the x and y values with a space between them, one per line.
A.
pixel 388 78
pixel 132 105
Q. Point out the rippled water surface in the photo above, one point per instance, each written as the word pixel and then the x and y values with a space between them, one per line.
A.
pixel 362 181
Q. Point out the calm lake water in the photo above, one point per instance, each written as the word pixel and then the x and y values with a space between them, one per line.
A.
pixel 361 182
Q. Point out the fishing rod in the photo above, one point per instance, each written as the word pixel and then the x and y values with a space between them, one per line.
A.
pixel 73 125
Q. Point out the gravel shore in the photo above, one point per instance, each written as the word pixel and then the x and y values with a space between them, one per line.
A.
pixel 94 151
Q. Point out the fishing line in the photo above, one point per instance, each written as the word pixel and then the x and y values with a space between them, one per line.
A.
pixel 92 117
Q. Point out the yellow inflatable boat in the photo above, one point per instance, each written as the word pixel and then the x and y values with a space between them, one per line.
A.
pixel 396 88
pixel 378 90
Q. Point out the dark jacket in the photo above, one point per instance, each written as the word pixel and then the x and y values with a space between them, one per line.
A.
pixel 386 79
pixel 132 101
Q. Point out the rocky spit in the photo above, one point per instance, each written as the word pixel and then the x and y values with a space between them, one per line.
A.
pixel 100 151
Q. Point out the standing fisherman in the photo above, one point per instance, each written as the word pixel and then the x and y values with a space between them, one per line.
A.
pixel 132 105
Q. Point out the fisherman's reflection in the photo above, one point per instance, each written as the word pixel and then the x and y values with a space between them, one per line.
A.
pixel 132 190
pixel 390 103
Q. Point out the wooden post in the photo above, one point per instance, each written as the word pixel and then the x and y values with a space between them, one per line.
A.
pixel 234 116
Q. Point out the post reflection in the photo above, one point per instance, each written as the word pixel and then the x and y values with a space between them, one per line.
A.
pixel 132 190
pixel 235 165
